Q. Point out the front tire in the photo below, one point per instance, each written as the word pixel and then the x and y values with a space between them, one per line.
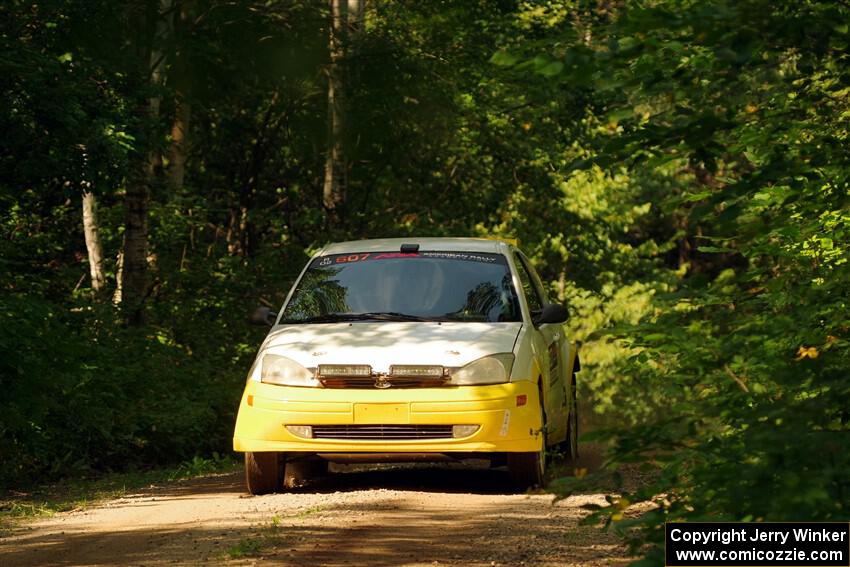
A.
pixel 527 469
pixel 263 472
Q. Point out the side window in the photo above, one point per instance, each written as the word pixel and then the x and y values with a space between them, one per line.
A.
pixel 532 292
pixel 535 279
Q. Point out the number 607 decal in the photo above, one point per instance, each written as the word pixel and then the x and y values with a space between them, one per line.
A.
pixel 351 258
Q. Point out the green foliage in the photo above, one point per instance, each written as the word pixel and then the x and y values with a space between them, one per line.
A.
pixel 742 355
pixel 99 397
pixel 461 149
pixel 678 170
pixel 200 466
pixel 246 547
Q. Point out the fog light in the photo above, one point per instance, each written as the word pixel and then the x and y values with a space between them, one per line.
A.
pixel 464 430
pixel 344 370
pixel 302 431
pixel 416 371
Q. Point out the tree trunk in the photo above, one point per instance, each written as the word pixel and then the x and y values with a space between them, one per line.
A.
pixel 179 141
pixel 356 11
pixel 93 246
pixel 134 274
pixel 117 297
pixel 179 79
pixel 333 194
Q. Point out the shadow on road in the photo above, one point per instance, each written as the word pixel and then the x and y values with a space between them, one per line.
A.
pixel 361 515
pixel 474 477
pixel 444 478
pixel 466 477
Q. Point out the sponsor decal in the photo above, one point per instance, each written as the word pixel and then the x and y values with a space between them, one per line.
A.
pixel 336 259
pixel 506 423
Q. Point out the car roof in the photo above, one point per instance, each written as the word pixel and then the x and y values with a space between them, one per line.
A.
pixel 434 244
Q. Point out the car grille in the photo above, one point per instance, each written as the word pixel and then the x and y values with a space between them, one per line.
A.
pixel 371 382
pixel 382 432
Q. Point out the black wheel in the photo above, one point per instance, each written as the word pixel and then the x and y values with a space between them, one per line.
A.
pixel 571 442
pixel 527 470
pixel 263 472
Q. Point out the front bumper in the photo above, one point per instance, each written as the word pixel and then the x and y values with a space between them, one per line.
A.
pixel 505 426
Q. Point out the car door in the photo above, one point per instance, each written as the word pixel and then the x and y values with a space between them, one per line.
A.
pixel 552 340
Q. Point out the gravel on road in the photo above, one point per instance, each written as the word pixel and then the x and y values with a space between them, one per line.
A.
pixel 387 516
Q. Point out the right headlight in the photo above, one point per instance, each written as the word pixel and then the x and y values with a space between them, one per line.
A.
pixel 283 371
pixel 493 369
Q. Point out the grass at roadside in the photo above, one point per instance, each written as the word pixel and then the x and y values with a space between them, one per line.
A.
pixel 265 535
pixel 252 546
pixel 75 494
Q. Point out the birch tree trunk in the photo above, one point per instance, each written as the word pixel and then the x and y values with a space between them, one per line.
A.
pixel 356 12
pixel 333 193
pixel 117 296
pixel 93 246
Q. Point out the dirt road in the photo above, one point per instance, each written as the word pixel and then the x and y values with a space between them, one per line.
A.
pixel 387 517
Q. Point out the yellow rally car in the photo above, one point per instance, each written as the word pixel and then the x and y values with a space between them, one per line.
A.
pixel 410 349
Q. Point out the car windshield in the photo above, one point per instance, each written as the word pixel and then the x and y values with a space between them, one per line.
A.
pixel 393 286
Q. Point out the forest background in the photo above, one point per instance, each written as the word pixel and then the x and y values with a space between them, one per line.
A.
pixel 678 169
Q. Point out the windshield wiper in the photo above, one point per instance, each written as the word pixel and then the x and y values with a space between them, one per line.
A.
pixel 390 316
pixel 342 317
pixel 458 317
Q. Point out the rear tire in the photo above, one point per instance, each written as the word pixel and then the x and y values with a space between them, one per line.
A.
pixel 263 472
pixel 571 442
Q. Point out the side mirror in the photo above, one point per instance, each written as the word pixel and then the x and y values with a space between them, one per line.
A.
pixel 263 316
pixel 551 313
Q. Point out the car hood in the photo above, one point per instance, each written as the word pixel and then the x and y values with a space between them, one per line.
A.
pixel 381 344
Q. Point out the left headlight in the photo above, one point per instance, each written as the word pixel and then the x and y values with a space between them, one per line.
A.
pixel 283 371
pixel 493 369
